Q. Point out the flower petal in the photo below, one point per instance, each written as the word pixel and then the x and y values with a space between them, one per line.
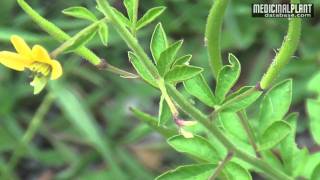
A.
pixel 21 46
pixel 13 60
pixel 56 69
pixel 40 54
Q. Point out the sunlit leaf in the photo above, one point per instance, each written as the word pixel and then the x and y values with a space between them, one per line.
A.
pixel 198 87
pixel 130 6
pixel 198 147
pixel 227 77
pixel 164 112
pixel 288 146
pixel 167 58
pixel 313 109
pixel 234 171
pixel 275 104
pixel 80 12
pixel 104 34
pixel 141 69
pixel 183 60
pixel 241 101
pixel 189 172
pixel 182 73
pixel 274 134
pixel 159 42
pixel 150 16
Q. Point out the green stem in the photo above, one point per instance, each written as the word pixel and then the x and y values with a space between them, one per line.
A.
pixel 238 98
pixel 201 118
pixel 183 103
pixel 64 46
pixel 133 44
pixel 135 18
pixel 129 38
pixel 61 36
pixel 221 165
pixel 213 34
pixel 246 126
pixel 289 46
pixel 122 73
pixel 32 129
pixel 57 33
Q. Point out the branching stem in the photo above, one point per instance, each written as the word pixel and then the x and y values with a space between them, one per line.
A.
pixel 221 165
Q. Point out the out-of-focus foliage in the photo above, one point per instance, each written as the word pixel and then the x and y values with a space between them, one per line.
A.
pixel 65 150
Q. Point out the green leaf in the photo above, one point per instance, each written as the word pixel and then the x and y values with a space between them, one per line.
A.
pixel 234 171
pixel 164 112
pixel 288 146
pixel 141 69
pixel 183 60
pixel 313 110
pixel 152 122
pixel 198 147
pixel 231 123
pixel 189 172
pixel 301 158
pixel 167 58
pixel 104 34
pixel 150 16
pixel 227 77
pixel 275 104
pixel 241 101
pixel 182 73
pixel 198 87
pixel 309 164
pixel 314 83
pixel 316 173
pixel 274 134
pixel 80 12
pixel 130 6
pixel 124 20
pixel 159 42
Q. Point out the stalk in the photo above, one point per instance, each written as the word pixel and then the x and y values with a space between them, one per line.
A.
pixel 198 115
pixel 289 46
pixel 213 34
pixel 32 129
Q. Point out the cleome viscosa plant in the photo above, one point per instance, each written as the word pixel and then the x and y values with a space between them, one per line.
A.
pixel 226 143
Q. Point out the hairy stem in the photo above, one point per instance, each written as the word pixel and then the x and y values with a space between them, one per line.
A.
pixel 213 34
pixel 61 36
pixel 32 129
pixel 287 50
pixel 246 126
pixel 221 166
pixel 135 18
pixel 133 44
pixel 198 115
pixel 64 46
pixel 129 38
pixel 122 73
pixel 57 33
pixel 183 103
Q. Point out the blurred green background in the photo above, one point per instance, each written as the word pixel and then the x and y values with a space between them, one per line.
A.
pixel 61 149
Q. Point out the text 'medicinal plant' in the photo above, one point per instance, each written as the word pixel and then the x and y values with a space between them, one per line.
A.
pixel 224 142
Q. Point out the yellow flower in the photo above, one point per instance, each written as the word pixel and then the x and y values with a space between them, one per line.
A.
pixel 37 60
